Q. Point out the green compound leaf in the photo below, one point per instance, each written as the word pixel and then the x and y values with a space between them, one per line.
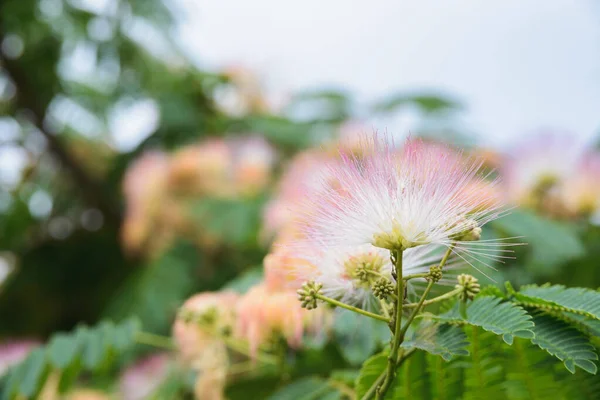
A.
pixel 565 343
pixel 370 371
pixel 493 315
pixel 444 340
pixel 87 348
pixel 35 371
pixel 581 301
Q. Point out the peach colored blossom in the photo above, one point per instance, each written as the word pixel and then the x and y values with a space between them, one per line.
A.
pixel 194 340
pixel 264 314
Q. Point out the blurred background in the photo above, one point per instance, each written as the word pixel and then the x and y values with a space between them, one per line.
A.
pixel 142 142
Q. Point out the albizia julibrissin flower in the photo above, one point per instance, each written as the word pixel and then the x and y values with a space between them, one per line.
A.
pixel 423 194
pixel 555 174
pixel 264 314
pixel 209 315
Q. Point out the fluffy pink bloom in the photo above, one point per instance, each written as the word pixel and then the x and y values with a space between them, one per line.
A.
pixel 420 198
pixel 264 313
pixel 538 163
pixel 422 195
pixel 194 341
pixel 225 168
pixel 144 377
pixel 144 189
pixel 14 351
pixel 307 173
pixel 580 193
pixel 555 174
pixel 254 159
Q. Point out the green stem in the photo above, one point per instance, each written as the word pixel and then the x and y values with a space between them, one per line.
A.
pixel 416 310
pixel 352 308
pixel 150 339
pixel 371 392
pixel 396 339
pixel 384 308
pixel 445 296
pixel 447 255
pixel 241 368
pixel 413 276
pixel 243 349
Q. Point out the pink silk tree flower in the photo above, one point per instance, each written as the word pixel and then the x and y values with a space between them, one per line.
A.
pixel 396 200
pixel 264 314
pixel 580 194
pixel 194 339
pixel 555 174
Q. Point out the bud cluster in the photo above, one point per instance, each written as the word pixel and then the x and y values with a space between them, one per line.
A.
pixel 435 273
pixel 469 285
pixel 308 294
pixel 383 288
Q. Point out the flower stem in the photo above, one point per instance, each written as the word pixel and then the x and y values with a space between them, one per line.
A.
pixel 352 308
pixel 445 296
pixel 413 276
pixel 447 255
pixel 242 348
pixel 397 338
pixel 150 339
pixel 371 392
pixel 416 310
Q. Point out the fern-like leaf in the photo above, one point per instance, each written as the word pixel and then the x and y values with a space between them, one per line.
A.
pixel 443 340
pixel 581 301
pixel 84 349
pixel 530 374
pixel 494 315
pixel 564 342
pixel 484 369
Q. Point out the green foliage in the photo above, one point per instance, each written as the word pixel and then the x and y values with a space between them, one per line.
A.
pixel 358 337
pixel 156 291
pixel 444 340
pixel 87 349
pixel 370 373
pixel 482 372
pixel 310 388
pixel 245 280
pixel 565 342
pixel 581 301
pixel 549 243
pixel 234 221
pixel 490 313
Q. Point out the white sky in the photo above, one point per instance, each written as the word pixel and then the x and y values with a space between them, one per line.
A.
pixel 518 65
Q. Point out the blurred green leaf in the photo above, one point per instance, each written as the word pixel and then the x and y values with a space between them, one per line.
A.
pixel 549 243
pixel 443 340
pixel 310 388
pixel 35 371
pixel 358 337
pixel 429 103
pixel 246 280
